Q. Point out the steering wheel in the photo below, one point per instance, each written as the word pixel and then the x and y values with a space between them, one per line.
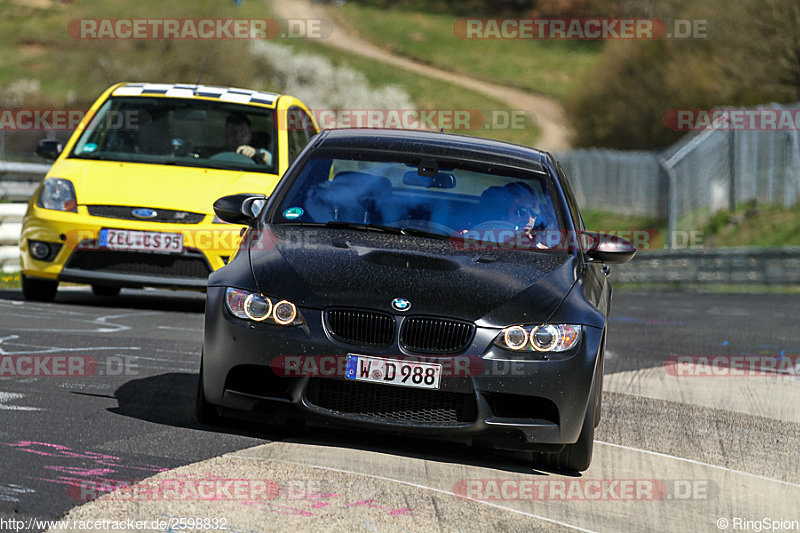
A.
pixel 424 225
pixel 494 225
pixel 233 157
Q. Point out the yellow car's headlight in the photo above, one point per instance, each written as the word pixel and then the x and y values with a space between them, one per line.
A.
pixel 58 194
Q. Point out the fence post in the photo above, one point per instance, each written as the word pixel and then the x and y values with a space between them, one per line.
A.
pixel 672 206
pixel 732 165
pixel 792 170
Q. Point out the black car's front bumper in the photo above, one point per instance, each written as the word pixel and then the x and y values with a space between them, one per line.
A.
pixel 536 404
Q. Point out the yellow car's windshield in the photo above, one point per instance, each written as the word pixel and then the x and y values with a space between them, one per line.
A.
pixel 184 132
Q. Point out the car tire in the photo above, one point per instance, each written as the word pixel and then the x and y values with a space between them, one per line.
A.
pixel 39 290
pixel 205 412
pixel 105 290
pixel 574 457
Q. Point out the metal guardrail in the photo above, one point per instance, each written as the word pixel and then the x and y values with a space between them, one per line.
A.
pixel 761 266
pixel 18 181
pixel 777 266
pixel 10 227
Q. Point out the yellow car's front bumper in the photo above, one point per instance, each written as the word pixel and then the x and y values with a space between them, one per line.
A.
pixel 75 255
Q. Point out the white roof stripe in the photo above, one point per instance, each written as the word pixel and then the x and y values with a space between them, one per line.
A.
pixel 184 93
pixel 128 91
pixel 157 86
pixel 183 90
pixel 233 97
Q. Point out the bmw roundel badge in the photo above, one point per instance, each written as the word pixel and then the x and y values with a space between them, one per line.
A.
pixel 143 212
pixel 401 304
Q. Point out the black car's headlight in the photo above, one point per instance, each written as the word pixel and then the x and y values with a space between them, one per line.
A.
pixel 259 308
pixel 541 338
pixel 58 194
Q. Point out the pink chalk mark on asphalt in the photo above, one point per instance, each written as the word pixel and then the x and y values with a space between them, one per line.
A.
pixel 374 504
pixel 77 482
pixel 77 471
pixel 316 501
pixel 61 451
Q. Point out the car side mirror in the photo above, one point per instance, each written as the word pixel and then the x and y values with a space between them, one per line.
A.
pixel 607 248
pixel 239 208
pixel 49 149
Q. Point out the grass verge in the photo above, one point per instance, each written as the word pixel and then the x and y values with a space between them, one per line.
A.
pixel 73 72
pixel 754 225
pixel 546 67
pixel 426 93
pixel 10 280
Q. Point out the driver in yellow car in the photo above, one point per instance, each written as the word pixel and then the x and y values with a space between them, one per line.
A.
pixel 238 137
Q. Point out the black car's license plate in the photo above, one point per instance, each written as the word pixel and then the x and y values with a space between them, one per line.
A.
pixel 393 372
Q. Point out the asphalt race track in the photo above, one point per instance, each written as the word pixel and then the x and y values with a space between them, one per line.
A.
pixel 681 446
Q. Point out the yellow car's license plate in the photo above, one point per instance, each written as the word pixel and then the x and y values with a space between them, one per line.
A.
pixel 147 241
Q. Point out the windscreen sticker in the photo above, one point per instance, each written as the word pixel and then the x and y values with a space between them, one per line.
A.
pixel 89 147
pixel 293 213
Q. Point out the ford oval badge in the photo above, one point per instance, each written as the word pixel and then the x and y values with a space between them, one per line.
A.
pixel 401 304
pixel 143 212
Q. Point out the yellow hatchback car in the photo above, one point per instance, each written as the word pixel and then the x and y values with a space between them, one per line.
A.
pixel 128 200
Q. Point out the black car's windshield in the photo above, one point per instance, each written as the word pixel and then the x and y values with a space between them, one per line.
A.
pixel 400 197
pixel 186 132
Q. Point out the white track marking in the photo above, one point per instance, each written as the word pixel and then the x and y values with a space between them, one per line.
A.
pixel 9 493
pixel 175 351
pixel 738 394
pixel 56 349
pixel 103 321
pixel 11 396
pixel 700 463
pixel 418 486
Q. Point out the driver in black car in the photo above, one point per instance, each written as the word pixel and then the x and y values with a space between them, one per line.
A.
pixel 238 136
pixel 515 204
pixel 523 211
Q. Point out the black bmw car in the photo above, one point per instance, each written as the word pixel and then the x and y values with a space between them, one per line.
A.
pixel 416 282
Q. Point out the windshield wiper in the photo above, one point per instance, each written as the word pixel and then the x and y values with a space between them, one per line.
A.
pixel 363 226
pixel 96 156
pixel 422 233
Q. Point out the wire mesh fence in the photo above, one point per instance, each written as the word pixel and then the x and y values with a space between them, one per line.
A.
pixel 742 156
pixel 628 183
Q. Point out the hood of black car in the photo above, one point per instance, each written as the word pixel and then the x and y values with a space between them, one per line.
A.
pixel 323 267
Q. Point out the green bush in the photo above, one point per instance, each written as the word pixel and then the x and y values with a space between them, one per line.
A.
pixel 750 57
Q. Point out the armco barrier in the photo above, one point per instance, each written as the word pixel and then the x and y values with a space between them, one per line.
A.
pixel 18 181
pixel 761 266
pixel 776 266
pixel 10 226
